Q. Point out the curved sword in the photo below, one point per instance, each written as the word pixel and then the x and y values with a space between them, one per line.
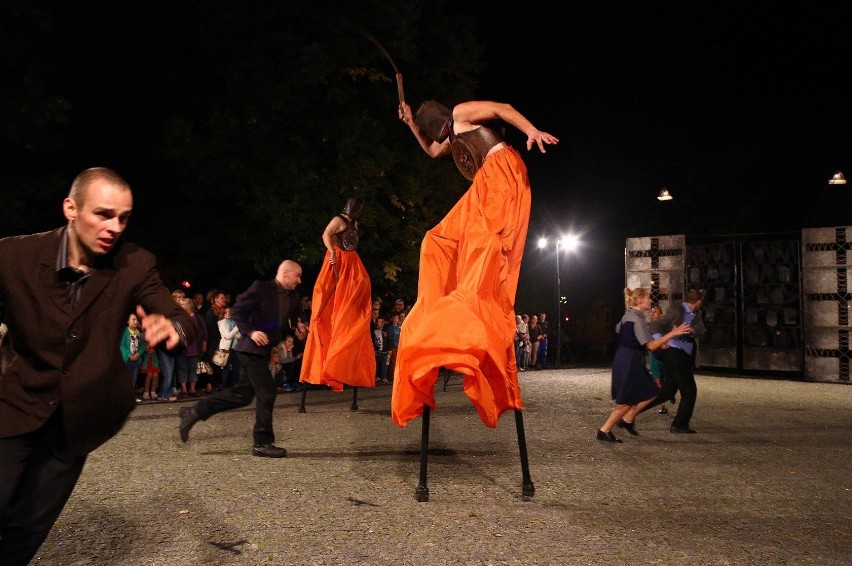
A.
pixel 369 37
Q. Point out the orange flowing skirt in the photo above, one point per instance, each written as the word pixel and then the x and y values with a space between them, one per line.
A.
pixel 339 349
pixel 464 316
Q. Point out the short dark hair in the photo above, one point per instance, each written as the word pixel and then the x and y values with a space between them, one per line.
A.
pixel 693 296
pixel 81 183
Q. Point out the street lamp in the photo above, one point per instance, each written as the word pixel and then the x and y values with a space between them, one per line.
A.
pixel 837 179
pixel 663 221
pixel 830 206
pixel 569 243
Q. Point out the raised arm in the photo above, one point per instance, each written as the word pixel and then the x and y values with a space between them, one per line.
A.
pixel 468 115
pixel 430 146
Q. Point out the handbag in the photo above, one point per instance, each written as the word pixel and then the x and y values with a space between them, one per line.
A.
pixel 220 357
pixel 202 368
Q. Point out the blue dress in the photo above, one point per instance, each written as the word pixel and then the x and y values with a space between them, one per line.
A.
pixel 631 382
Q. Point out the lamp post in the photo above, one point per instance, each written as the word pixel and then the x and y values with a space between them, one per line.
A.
pixel 570 243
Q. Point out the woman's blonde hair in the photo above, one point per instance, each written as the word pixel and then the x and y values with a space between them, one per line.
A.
pixel 632 296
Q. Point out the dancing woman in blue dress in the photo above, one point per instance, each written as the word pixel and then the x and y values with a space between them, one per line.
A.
pixel 632 385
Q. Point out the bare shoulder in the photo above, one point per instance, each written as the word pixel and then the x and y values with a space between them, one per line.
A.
pixel 468 115
pixel 336 223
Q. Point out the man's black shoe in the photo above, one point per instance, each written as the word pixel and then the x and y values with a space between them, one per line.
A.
pixel 269 451
pixel 188 417
pixel 679 430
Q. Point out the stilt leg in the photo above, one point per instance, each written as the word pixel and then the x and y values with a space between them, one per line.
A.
pixel 304 395
pixel 422 491
pixel 354 406
pixel 528 487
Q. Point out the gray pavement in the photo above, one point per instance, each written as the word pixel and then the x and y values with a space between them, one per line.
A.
pixel 767 480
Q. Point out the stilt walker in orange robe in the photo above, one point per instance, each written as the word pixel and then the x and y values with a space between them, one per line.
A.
pixel 464 316
pixel 339 349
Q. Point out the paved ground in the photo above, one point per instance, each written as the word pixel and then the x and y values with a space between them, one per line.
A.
pixel 767 480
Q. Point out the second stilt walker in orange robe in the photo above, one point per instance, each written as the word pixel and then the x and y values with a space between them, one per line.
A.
pixel 464 316
pixel 339 350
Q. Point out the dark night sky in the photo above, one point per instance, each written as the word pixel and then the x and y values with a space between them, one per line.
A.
pixel 741 109
pixel 708 98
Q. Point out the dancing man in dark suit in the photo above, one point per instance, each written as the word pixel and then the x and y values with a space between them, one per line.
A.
pixel 678 358
pixel 65 296
pixel 263 314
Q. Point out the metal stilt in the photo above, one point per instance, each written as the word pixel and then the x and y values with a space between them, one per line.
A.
pixel 304 395
pixel 354 406
pixel 422 492
pixel 528 488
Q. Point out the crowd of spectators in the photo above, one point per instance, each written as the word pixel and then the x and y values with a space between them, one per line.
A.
pixel 531 342
pixel 163 376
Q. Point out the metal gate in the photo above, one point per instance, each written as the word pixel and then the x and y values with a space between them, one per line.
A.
pixel 826 272
pixel 656 263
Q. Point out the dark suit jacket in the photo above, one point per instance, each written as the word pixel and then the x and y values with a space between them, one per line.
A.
pixel 257 309
pixel 55 355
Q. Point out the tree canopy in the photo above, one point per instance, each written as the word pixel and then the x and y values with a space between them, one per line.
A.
pixel 242 126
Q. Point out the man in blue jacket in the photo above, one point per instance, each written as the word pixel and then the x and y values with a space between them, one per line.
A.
pixel 678 358
pixel 263 313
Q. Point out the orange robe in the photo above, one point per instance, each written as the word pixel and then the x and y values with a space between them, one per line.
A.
pixel 339 349
pixel 464 316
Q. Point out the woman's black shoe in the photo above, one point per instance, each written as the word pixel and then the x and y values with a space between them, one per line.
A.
pixel 628 426
pixel 663 410
pixel 607 436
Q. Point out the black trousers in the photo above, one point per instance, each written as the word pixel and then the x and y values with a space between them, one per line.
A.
pixel 678 376
pixel 254 380
pixel 37 476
